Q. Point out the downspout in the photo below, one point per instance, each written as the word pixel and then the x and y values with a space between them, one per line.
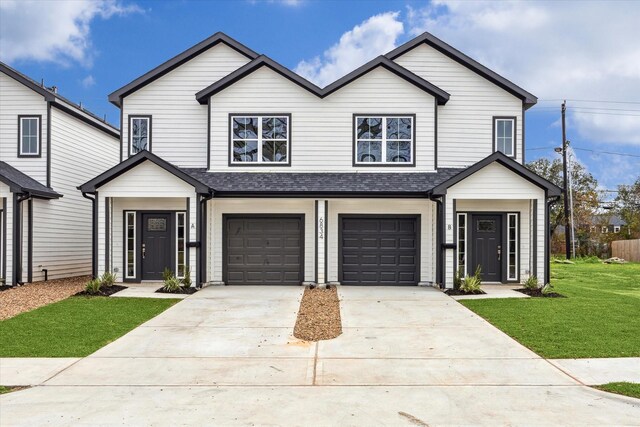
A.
pixel 18 198
pixel 547 236
pixel 439 237
pixel 94 234
pixel 202 238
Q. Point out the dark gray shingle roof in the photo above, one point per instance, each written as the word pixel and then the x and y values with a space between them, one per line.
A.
pixel 322 183
pixel 22 183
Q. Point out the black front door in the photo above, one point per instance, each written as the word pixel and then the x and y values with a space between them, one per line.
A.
pixel 487 247
pixel 157 245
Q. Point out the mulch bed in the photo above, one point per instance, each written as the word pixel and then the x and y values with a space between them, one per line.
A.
pixel 319 315
pixel 537 293
pixel 28 297
pixel 105 291
pixel 184 290
pixel 452 292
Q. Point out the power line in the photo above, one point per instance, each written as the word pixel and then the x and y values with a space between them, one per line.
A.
pixel 607 152
pixel 590 100
pixel 608 114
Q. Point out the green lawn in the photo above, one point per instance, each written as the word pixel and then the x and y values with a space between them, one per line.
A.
pixel 75 327
pixel 599 318
pixel 627 389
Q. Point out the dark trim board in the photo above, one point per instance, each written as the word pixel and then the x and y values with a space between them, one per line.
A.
pixel 326 241
pixel 534 238
pixel 315 273
pixel 418 238
pixel 515 134
pixel 226 217
pixel 435 135
pixel 30 116
pixel 3 242
pixel 30 241
pixel 130 118
pixel 209 133
pixel 107 232
pixel 259 163
pixel 48 144
pixel 354 141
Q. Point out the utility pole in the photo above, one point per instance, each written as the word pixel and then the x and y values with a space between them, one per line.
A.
pixel 565 144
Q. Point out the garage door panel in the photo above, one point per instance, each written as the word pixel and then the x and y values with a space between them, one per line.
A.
pixel 379 250
pixel 264 250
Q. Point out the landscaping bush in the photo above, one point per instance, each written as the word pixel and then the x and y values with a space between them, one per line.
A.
pixel 471 284
pixel 167 274
pixel 172 284
pixel 108 279
pixel 457 279
pixel 186 281
pixel 93 287
pixel 531 283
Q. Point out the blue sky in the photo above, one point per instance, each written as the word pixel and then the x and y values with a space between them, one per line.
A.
pixel 89 48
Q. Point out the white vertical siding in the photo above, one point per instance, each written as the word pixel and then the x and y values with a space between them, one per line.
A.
pixel 16 99
pixel 465 123
pixel 219 207
pixel 62 228
pixel 322 129
pixel 422 207
pixel 179 123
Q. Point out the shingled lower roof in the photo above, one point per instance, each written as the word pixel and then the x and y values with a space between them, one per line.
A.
pixel 288 184
pixel 19 182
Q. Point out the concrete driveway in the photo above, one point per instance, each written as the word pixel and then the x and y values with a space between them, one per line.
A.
pixel 225 356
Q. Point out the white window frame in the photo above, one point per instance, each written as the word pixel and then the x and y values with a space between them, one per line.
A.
pixel 21 134
pixel 384 141
pixel 616 228
pixel 497 120
pixel 462 243
pixel 260 139
pixel 604 229
pixel 126 247
pixel 184 225
pixel 131 136
pixel 516 243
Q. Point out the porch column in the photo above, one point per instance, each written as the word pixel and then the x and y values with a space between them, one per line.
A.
pixel 193 233
pixel 321 242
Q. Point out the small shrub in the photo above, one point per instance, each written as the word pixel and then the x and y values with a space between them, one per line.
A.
pixel 167 274
pixel 471 284
pixel 94 286
pixel 457 279
pixel 531 283
pixel 172 284
pixel 547 289
pixel 108 278
pixel 186 280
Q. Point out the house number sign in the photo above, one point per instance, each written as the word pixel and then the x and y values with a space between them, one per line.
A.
pixel 321 228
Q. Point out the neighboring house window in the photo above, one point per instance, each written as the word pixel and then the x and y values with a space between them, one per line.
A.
pixel 505 135
pixel 140 133
pixel 605 229
pixel 593 229
pixel 260 139
pixel 512 242
pixel 130 243
pixel 384 140
pixel 462 244
pixel 29 135
pixel 181 259
pixel 616 228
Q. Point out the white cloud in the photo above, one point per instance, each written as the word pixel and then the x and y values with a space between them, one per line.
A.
pixel 581 51
pixel 375 36
pixel 88 81
pixel 56 31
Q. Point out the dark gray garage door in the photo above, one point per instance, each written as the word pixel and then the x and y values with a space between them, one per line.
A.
pixel 378 250
pixel 263 250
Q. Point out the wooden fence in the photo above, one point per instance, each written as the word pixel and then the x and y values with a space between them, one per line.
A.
pixel 629 250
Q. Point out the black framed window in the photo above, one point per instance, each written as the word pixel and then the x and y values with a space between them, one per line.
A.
pixel 139 133
pixel 384 140
pixel 29 136
pixel 260 139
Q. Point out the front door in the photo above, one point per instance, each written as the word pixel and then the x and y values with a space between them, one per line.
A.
pixel 157 245
pixel 487 247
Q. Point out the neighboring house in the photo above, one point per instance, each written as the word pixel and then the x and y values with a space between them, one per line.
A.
pixel 400 173
pixel 607 223
pixel 48 146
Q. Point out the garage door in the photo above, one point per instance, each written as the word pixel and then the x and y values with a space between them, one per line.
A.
pixel 378 250
pixel 263 250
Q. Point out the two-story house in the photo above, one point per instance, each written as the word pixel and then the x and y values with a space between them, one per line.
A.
pixel 48 146
pixel 403 172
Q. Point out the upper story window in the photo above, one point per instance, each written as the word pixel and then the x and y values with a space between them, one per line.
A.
pixel 504 131
pixel 260 140
pixel 29 136
pixel 139 133
pixel 384 140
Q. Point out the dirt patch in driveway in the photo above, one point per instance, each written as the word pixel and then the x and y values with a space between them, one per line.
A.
pixel 33 295
pixel 319 315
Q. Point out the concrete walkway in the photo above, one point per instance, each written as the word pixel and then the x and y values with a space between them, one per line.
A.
pixel 145 290
pixel 26 371
pixel 225 356
pixel 495 291
pixel 601 371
